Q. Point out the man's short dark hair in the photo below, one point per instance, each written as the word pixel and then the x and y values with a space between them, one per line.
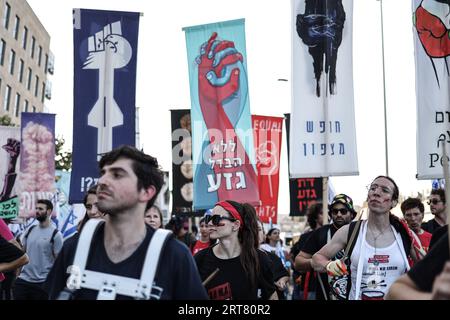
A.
pixel 47 203
pixel 395 192
pixel 440 193
pixel 145 167
pixel 412 203
pixel 312 214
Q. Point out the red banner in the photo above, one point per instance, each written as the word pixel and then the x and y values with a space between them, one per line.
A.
pixel 267 136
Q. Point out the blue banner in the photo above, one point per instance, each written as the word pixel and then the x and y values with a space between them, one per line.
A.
pixel 105 56
pixel 223 152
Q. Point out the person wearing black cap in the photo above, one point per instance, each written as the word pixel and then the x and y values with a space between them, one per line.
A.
pixel 342 212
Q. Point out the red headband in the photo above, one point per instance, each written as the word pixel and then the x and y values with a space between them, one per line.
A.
pixel 232 210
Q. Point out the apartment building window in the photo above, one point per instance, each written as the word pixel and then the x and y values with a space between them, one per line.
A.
pixel 46 63
pixel 34 109
pixel 2 51
pixel 17 105
pixel 43 92
pixel 36 86
pixel 25 105
pixel 20 74
pixel 24 37
pixel 6 98
pixel 6 15
pixel 16 28
pixel 33 44
pixel 30 73
pixel 12 61
pixel 39 55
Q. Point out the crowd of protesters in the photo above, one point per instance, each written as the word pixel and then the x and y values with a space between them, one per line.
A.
pixel 122 243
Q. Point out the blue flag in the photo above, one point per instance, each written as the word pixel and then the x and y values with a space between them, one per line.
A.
pixel 105 55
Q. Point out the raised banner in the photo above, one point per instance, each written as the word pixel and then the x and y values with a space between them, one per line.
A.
pixel 9 156
pixel 323 138
pixel 304 192
pixel 37 161
pixel 432 47
pixel 105 55
pixel 267 133
pixel 223 154
pixel 182 174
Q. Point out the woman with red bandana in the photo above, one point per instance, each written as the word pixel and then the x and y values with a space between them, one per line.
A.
pixel 235 269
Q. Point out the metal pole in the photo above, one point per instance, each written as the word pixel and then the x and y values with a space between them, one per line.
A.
pixel 384 91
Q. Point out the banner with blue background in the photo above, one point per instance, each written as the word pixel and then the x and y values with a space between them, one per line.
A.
pixel 222 138
pixel 105 56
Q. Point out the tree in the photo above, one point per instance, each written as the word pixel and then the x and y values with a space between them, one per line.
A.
pixel 5 120
pixel 63 159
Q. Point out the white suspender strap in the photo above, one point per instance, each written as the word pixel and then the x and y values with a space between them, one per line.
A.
pixel 151 261
pixel 84 243
pixel 109 285
pixel 77 269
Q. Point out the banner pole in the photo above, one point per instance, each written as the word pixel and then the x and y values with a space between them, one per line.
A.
pixel 384 91
pixel 447 186
pixel 325 200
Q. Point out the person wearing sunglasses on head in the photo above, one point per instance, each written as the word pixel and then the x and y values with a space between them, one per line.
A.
pixel 342 213
pixel 234 268
pixel 437 208
pixel 381 252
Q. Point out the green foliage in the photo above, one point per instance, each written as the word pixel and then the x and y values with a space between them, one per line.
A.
pixel 5 120
pixel 63 159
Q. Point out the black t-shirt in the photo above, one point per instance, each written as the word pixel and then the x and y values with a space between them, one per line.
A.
pixel 295 250
pixel 437 234
pixel 8 251
pixel 315 242
pixel 425 271
pixel 231 282
pixel 176 278
pixel 430 226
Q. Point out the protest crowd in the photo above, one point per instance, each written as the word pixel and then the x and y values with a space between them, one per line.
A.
pixel 220 240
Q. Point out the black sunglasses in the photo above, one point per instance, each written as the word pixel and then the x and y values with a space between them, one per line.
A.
pixel 342 211
pixel 433 201
pixel 215 219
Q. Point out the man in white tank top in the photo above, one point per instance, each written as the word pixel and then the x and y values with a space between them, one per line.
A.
pixel 378 257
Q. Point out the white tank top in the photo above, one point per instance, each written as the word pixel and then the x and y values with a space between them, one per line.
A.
pixel 380 267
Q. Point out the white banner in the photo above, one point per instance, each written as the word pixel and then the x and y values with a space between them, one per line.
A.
pixel 322 134
pixel 432 47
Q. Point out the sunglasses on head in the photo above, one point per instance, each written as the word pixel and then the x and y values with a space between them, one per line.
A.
pixel 342 211
pixel 215 219
pixel 433 201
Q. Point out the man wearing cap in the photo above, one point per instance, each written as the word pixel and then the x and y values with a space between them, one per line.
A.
pixel 342 212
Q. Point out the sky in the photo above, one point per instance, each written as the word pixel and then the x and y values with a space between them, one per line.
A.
pixel 163 84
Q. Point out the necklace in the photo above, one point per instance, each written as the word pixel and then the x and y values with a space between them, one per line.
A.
pixel 375 238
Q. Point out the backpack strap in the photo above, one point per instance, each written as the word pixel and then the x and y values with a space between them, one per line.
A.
pixel 152 261
pixel 110 285
pixel 84 243
pixel 52 239
pixel 29 231
pixel 25 238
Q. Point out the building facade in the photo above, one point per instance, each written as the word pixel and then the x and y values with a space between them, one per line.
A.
pixel 25 60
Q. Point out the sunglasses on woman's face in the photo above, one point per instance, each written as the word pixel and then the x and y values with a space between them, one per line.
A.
pixel 215 219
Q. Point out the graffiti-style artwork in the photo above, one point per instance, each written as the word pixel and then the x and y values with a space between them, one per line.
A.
pixel 433 26
pixel 37 163
pixel 320 28
pixel 9 155
pixel 222 142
